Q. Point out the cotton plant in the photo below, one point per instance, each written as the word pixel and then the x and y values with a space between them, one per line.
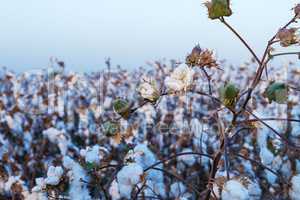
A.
pixel 196 130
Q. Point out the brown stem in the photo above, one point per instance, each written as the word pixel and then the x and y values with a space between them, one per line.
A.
pixel 241 39
pixel 285 54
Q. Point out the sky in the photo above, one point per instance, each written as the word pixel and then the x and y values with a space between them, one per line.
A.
pixel 131 32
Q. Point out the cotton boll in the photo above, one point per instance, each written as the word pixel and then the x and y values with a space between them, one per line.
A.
pixel 177 189
pixel 55 171
pixel 286 169
pixel 34 196
pixel 294 191
pixel 277 163
pixel 78 189
pixel 143 156
pixel 254 191
pixel 149 90
pixel 271 178
pixel 52 180
pixel 155 188
pixel 128 177
pixel 40 185
pixel 53 175
pixel 266 156
pixel 57 136
pixel 114 190
pixel 234 190
pixel 92 155
pixel 252 186
pixel 11 180
pixel 181 78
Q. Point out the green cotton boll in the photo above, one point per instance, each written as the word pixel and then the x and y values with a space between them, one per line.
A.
pixel 218 8
pixel 228 94
pixel 277 92
pixel 231 91
pixel 122 107
pixel 111 128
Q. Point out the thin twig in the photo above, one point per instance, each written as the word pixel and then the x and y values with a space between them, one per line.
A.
pixel 241 39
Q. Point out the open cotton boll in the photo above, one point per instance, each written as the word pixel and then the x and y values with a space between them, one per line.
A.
pixel 180 79
pixel 40 185
pixel 128 177
pixel 266 155
pixel 148 89
pixel 144 157
pixel 52 180
pixel 78 189
pixel 6 186
pixel 53 175
pixel 177 189
pixel 55 171
pixel 114 191
pixel 254 191
pixel 234 190
pixel 92 155
pixel 57 136
pixel 294 191
pixel 34 195
pixel 155 188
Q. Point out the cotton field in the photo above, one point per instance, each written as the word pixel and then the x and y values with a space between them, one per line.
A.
pixel 190 129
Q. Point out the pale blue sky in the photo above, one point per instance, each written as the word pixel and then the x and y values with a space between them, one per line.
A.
pixel 131 32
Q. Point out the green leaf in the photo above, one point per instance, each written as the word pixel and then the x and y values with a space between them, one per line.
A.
pixel 90 166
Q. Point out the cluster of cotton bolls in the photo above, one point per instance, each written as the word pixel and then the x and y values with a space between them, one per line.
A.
pixel 53 142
